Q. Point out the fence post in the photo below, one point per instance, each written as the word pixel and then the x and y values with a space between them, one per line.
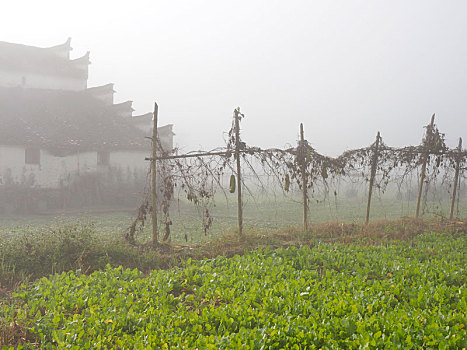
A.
pixel 426 154
pixel 302 159
pixel 374 163
pixel 155 233
pixel 237 116
pixel 456 180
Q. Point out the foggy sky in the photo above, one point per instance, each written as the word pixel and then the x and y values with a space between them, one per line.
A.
pixel 346 69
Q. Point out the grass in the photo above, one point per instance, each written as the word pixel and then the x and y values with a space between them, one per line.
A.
pixel 261 214
pixel 28 252
pixel 31 247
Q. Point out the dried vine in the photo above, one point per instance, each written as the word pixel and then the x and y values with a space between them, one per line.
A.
pixel 197 178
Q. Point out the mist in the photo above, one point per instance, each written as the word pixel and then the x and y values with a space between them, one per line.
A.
pixel 344 69
pixel 322 202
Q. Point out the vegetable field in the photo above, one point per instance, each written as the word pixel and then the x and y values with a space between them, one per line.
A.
pixel 406 295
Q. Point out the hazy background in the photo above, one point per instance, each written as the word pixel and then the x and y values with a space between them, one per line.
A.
pixel 346 69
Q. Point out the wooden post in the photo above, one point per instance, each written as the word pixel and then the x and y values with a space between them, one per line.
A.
pixel 237 116
pixel 456 180
pixel 426 154
pixel 155 233
pixel 374 164
pixel 302 159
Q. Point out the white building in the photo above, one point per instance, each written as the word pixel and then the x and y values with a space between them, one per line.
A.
pixel 42 68
pixel 54 131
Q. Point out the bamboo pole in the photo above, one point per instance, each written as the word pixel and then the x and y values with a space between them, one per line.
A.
pixel 304 179
pixel 220 153
pixel 426 154
pixel 155 233
pixel 237 117
pixel 374 163
pixel 456 180
pixel 193 155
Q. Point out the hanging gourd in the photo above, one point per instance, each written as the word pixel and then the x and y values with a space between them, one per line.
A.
pixel 324 172
pixel 287 183
pixel 232 184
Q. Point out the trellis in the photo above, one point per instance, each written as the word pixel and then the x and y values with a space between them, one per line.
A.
pixel 301 164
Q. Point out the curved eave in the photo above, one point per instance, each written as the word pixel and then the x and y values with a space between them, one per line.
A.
pixel 127 105
pixel 63 49
pixel 102 89
pixel 82 61
pixel 166 129
pixel 143 118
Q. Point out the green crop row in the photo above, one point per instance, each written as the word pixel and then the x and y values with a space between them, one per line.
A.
pixel 406 295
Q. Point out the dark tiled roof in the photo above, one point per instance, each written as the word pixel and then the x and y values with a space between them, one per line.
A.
pixel 64 122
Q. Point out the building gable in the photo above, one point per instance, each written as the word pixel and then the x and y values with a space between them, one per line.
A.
pixel 43 68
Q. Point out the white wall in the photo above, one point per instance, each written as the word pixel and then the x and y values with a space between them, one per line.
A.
pixel 107 98
pixel 37 81
pixel 52 170
pixel 132 159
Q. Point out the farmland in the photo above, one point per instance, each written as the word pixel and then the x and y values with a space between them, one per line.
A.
pixel 262 214
pixel 401 294
pixel 391 284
